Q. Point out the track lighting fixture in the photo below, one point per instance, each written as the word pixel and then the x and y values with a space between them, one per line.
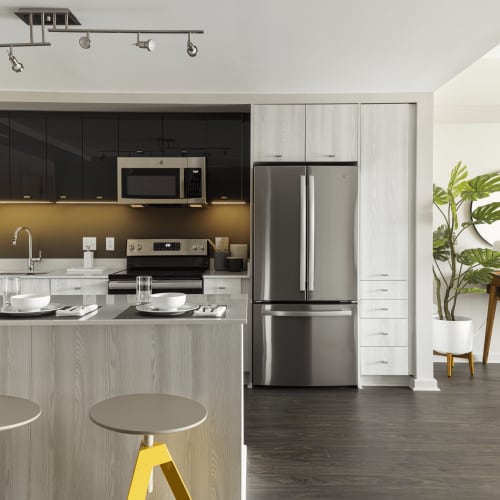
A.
pixel 51 18
pixel 192 49
pixel 84 42
pixel 145 44
pixel 16 65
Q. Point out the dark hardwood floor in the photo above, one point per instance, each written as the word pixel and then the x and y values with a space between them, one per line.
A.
pixel 377 443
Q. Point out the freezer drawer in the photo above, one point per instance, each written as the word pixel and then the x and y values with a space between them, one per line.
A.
pixel 304 345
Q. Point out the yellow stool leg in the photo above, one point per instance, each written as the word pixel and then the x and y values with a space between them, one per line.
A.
pixel 147 458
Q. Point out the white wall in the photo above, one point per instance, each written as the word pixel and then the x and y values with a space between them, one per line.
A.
pixel 478 146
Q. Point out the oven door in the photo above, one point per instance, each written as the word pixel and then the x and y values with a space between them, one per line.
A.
pixel 159 286
pixel 148 181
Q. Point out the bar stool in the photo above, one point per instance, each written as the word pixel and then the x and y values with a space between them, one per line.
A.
pixel 150 414
pixel 15 412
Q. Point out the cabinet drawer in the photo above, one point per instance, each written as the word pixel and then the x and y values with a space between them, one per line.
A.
pixel 384 360
pixel 383 290
pixel 73 286
pixel 220 285
pixel 383 309
pixel 383 332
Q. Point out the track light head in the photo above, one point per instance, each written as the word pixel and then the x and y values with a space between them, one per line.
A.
pixel 16 65
pixel 85 42
pixel 145 44
pixel 192 49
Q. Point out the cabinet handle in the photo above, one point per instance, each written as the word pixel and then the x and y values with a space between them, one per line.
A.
pixel 383 362
pixel 221 288
pixel 99 197
pixel 62 196
pixel 384 274
pixel 331 156
pixel 383 309
pixel 382 333
pixel 382 290
pixel 278 156
pixel 27 197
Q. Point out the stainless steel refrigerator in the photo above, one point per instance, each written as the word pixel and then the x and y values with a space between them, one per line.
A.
pixel 304 274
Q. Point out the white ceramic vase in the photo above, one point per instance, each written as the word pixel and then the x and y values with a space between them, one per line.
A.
pixel 453 337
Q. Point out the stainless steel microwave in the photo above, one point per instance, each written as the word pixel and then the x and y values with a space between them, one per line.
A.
pixel 161 181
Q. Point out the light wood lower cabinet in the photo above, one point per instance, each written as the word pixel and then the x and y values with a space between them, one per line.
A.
pixel 384 360
pixel 236 285
pixel 79 286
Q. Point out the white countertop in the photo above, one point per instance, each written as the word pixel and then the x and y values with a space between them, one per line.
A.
pixel 113 305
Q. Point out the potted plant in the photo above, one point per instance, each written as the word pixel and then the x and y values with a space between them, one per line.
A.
pixel 459 271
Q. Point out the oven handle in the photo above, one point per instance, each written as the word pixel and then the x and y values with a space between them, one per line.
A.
pixel 130 285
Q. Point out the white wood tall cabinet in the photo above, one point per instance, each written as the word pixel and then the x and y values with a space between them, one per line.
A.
pixel 387 134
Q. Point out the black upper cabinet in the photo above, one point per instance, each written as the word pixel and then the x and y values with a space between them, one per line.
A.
pixel 64 154
pixel 185 134
pixel 30 177
pixel 225 160
pixel 140 134
pixel 245 158
pixel 4 156
pixel 100 149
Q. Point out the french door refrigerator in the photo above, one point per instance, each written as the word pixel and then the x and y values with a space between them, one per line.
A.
pixel 304 274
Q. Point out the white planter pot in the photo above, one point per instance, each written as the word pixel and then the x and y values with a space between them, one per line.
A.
pixel 453 337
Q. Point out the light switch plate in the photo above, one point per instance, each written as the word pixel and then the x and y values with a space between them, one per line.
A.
pixel 110 243
pixel 89 243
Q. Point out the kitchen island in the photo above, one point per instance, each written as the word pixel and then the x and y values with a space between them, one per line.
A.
pixel 67 365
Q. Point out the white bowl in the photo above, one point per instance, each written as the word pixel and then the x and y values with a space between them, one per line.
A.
pixel 168 300
pixel 29 301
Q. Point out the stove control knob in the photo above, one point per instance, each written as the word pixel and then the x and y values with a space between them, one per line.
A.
pixel 131 248
pixel 202 247
pixel 195 247
pixel 139 247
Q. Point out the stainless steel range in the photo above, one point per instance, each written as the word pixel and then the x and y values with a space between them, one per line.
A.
pixel 174 264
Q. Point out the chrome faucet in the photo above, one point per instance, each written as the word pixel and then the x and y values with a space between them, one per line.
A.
pixel 31 260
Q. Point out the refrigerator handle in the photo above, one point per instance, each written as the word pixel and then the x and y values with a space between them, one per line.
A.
pixel 302 257
pixel 311 239
pixel 308 314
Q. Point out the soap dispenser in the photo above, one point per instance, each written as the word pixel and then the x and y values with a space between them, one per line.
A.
pixel 88 258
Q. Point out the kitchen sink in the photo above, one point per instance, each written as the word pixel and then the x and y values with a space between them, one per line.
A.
pixel 20 273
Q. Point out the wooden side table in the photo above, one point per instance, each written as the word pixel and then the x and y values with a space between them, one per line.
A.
pixel 494 289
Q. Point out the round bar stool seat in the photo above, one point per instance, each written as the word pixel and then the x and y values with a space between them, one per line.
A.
pixel 150 414
pixel 15 412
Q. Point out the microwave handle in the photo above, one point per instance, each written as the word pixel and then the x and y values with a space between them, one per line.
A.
pixel 181 182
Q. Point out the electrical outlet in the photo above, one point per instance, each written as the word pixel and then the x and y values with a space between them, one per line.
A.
pixel 110 243
pixel 89 243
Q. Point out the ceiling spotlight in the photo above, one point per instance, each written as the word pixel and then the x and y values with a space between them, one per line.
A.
pixel 16 65
pixel 145 44
pixel 192 49
pixel 84 42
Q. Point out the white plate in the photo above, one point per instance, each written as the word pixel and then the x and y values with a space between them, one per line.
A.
pixel 48 309
pixel 151 309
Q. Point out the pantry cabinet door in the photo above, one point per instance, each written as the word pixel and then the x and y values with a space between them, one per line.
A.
pixel 387 138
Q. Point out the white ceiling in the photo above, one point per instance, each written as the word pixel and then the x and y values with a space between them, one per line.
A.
pixel 256 46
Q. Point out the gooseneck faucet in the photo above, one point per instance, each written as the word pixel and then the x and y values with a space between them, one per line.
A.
pixel 31 260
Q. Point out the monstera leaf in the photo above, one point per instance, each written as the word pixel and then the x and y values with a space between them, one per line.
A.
pixel 487 214
pixel 477 277
pixel 458 179
pixel 439 195
pixel 482 256
pixel 441 244
pixel 480 187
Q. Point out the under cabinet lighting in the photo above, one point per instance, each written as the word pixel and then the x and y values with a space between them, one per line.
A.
pixel 228 202
pixel 195 205
pixel 136 206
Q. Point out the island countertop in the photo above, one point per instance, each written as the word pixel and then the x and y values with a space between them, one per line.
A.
pixel 112 307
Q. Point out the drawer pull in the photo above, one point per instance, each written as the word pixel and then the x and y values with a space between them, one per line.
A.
pixel 331 156
pixel 221 288
pixel 383 309
pixel 383 362
pixel 382 290
pixel 384 274
pixel 27 197
pixel 382 333
pixel 278 156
